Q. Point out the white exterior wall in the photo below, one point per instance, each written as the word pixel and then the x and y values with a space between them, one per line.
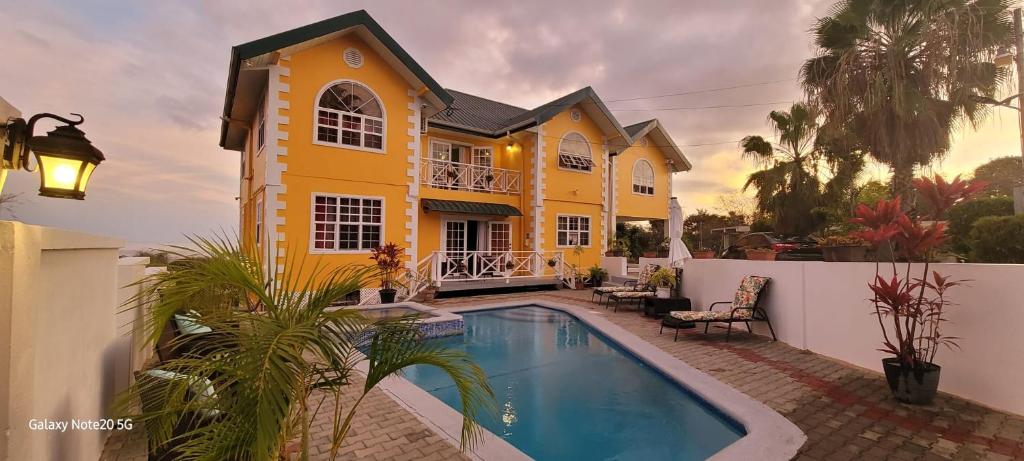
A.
pixel 62 350
pixel 823 307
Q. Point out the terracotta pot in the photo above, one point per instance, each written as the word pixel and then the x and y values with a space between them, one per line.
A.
pixel 845 253
pixel 761 255
pixel 615 253
pixel 650 254
pixel 704 254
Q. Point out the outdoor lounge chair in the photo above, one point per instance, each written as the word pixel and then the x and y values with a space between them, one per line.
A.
pixel 640 284
pixel 154 394
pixel 745 308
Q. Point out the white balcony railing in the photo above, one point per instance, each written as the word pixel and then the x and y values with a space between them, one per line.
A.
pixel 489 265
pixel 442 174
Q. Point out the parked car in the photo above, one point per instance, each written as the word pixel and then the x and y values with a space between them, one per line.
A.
pixel 787 249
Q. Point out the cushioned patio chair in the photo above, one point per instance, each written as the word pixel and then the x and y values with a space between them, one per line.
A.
pixel 745 308
pixel 154 394
pixel 640 284
pixel 183 335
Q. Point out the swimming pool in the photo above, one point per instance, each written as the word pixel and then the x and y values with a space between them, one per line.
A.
pixel 565 391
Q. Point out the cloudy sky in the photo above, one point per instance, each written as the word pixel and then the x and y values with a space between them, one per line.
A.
pixel 149 78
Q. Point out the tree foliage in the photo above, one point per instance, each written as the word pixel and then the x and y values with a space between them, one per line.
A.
pixel 900 76
pixel 998 239
pixel 697 229
pixel 963 216
pixel 805 176
pixel 1002 175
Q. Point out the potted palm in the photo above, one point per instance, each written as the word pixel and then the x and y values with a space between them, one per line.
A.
pixel 597 275
pixel 760 254
pixel 287 348
pixel 664 280
pixel 843 248
pixel 911 308
pixel 389 263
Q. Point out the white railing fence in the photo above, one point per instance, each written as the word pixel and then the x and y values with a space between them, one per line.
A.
pixel 444 174
pixel 483 265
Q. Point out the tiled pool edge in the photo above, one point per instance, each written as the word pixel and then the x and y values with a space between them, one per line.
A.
pixel 770 436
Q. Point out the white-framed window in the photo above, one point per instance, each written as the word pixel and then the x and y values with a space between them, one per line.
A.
pixel 261 126
pixel 440 150
pixel 259 221
pixel 573 230
pixel 483 156
pixel 348 114
pixel 574 153
pixel 643 177
pixel 500 237
pixel 346 223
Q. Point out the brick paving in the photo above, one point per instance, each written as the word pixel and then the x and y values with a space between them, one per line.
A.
pixel 381 430
pixel 846 411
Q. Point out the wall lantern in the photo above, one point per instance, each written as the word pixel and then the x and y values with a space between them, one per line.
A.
pixel 64 157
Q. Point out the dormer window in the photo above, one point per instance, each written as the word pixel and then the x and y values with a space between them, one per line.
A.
pixel 350 115
pixel 574 153
pixel 643 178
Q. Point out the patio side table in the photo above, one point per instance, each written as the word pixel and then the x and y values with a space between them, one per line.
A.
pixel 658 307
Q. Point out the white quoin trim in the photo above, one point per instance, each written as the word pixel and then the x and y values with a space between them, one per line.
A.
pixel 413 195
pixel 605 161
pixel 538 191
pixel 275 167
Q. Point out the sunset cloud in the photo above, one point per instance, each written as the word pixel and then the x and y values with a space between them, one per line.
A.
pixel 149 78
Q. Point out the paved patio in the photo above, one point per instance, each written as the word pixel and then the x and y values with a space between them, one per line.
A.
pixel 845 411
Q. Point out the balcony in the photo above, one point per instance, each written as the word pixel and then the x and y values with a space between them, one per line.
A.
pixel 443 174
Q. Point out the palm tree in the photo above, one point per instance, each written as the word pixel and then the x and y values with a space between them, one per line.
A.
pixel 279 354
pixel 900 75
pixel 787 184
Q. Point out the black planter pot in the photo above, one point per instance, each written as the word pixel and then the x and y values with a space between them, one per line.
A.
pixel 597 282
pixel 909 385
pixel 387 295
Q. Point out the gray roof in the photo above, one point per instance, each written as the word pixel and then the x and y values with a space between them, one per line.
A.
pixel 635 128
pixel 477 114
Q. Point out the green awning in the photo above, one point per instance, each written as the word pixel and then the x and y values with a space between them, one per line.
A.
pixel 456 206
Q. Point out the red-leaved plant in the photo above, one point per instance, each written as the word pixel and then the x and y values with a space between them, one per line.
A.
pixel 389 263
pixel 913 306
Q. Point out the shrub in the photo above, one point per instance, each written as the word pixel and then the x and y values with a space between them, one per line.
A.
pixel 664 277
pixel 998 239
pixel 964 215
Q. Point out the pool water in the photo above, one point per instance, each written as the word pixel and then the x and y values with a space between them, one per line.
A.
pixel 565 392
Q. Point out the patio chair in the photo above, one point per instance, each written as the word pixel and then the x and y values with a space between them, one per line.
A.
pixel 154 397
pixel 745 308
pixel 640 284
pixel 183 334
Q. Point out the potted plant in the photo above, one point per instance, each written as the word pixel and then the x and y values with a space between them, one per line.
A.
pixel 664 280
pixel 552 262
pixel 910 308
pixel 843 248
pixel 597 275
pixel 509 265
pixel 389 263
pixel 703 253
pixel 618 248
pixel 760 254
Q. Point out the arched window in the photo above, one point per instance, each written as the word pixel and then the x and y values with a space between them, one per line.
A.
pixel 643 177
pixel 574 153
pixel 350 115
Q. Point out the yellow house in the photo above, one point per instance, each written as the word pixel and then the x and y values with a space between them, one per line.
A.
pixel 347 143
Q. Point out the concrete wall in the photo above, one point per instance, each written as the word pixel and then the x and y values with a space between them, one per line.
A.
pixel 62 352
pixel 824 308
pixel 615 265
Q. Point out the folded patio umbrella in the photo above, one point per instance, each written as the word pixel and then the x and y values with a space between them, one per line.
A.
pixel 677 251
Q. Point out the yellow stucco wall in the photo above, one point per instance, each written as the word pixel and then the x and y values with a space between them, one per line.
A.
pixel 629 203
pixel 573 192
pixel 312 168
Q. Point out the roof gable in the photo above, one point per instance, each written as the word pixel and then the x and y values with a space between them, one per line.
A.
pixel 266 50
pixel 662 141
